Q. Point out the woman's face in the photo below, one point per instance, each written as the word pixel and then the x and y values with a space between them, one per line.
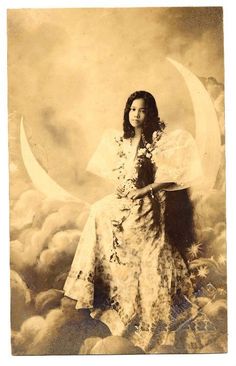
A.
pixel 137 113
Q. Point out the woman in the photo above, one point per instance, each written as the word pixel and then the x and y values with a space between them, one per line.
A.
pixel 131 254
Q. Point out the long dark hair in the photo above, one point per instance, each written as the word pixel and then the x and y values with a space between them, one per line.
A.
pixel 179 220
pixel 152 121
pixel 179 211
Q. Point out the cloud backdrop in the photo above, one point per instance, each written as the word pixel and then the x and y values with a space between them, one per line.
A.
pixel 70 72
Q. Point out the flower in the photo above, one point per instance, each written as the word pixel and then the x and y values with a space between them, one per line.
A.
pixel 148 146
pixel 154 135
pixel 148 155
pixel 141 152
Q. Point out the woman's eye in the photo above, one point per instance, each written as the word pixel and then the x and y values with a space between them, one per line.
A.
pixel 140 110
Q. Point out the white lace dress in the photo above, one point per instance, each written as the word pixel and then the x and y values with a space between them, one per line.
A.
pixel 123 260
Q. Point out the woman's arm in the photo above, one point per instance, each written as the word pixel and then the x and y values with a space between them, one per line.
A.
pixel 160 186
pixel 150 189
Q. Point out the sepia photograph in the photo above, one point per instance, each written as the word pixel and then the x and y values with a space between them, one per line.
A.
pixel 117 186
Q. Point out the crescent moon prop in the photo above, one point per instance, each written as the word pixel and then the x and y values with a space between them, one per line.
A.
pixel 40 179
pixel 207 131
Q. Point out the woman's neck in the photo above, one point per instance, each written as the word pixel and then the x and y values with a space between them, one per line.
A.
pixel 137 133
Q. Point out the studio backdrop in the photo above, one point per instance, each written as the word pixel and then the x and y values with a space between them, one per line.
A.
pixel 105 260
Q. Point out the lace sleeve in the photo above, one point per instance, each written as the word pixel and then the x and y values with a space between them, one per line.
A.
pixel 104 159
pixel 177 159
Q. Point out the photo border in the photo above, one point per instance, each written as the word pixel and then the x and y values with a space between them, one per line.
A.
pixel 230 122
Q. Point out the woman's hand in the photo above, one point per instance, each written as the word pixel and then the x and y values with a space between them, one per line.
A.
pixel 120 191
pixel 137 193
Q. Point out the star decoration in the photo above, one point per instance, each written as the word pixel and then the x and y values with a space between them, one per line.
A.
pixel 194 250
pixel 203 271
pixel 222 259
pixel 221 291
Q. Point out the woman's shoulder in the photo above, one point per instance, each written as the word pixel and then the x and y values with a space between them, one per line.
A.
pixel 180 133
pixel 175 137
pixel 112 133
pixel 176 133
pixel 112 137
pixel 118 138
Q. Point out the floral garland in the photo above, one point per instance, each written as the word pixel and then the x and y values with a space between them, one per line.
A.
pixel 143 163
pixel 146 151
